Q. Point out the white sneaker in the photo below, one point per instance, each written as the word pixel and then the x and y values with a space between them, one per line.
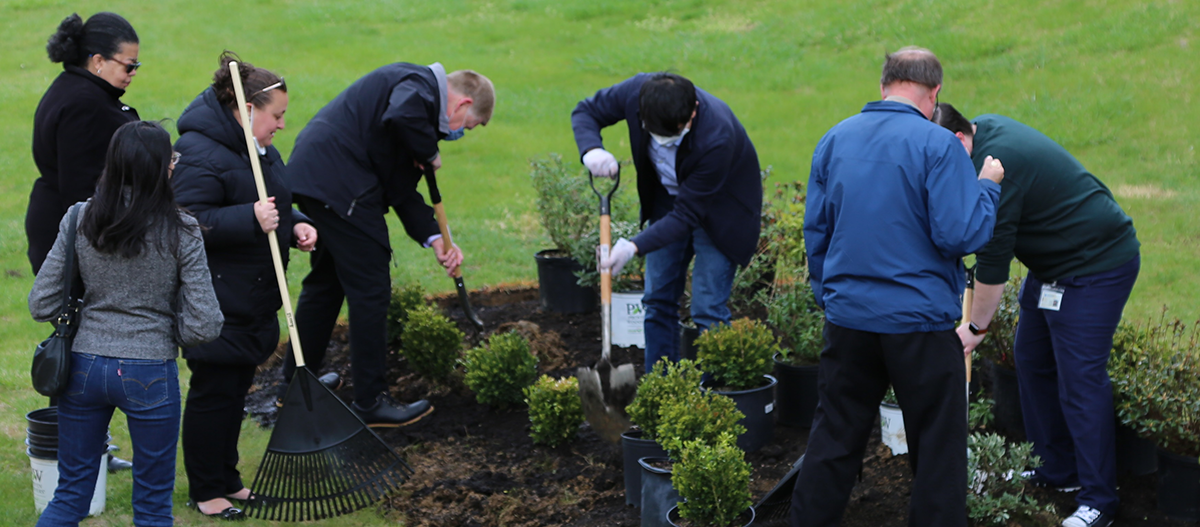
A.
pixel 1086 516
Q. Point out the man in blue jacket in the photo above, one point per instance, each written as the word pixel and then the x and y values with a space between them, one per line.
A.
pixel 699 188
pixel 893 205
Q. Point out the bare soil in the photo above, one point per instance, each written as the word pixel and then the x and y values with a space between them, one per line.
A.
pixel 477 467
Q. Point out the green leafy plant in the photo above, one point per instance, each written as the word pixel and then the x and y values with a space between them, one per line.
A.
pixel 1155 371
pixel 555 410
pixel 979 413
pixel 713 480
pixel 404 299
pixel 431 343
pixel 995 484
pixel 697 415
pixel 1002 330
pixel 500 369
pixel 737 355
pixel 666 381
pixel 889 397
pixel 779 256
pixel 792 310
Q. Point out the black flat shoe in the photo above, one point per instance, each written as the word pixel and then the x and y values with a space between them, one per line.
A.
pixel 228 514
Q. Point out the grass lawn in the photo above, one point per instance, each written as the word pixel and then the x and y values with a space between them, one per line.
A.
pixel 1112 80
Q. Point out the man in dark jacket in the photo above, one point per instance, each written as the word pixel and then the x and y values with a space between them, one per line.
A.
pixel 1082 253
pixel 699 187
pixel 362 153
pixel 893 205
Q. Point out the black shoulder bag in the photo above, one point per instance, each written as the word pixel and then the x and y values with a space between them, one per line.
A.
pixel 52 359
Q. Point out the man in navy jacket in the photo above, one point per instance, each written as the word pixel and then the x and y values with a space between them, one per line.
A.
pixel 361 154
pixel 893 205
pixel 699 187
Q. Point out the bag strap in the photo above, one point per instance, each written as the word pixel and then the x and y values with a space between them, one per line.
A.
pixel 72 282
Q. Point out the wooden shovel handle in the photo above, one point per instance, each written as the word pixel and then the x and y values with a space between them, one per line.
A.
pixel 968 299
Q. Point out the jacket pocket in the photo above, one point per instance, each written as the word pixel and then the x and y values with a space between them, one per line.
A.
pixel 245 290
pixel 147 383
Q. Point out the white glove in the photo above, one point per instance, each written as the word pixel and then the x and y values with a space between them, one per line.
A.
pixel 601 163
pixel 620 255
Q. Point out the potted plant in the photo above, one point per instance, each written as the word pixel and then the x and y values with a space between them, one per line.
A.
pixel 666 382
pixel 1135 454
pixel 792 311
pixel 997 349
pixel 566 207
pixel 739 357
pixel 713 479
pixel 891 423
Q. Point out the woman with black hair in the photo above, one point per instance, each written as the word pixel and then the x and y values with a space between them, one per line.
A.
pixel 76 118
pixel 147 292
pixel 214 181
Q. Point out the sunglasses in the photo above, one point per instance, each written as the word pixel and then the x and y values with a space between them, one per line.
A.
pixel 175 157
pixel 267 89
pixel 130 67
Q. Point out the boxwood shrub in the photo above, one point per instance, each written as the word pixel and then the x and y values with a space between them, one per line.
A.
pixel 500 369
pixel 555 410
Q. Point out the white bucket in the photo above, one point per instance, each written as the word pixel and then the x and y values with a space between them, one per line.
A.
pixel 45 480
pixel 628 317
pixel 891 423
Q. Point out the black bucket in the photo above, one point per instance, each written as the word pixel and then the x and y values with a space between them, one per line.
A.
pixel 796 394
pixel 658 494
pixel 1135 455
pixel 758 405
pixel 687 340
pixel 1178 486
pixel 1007 407
pixel 43 421
pixel 558 288
pixel 633 448
pixel 43 440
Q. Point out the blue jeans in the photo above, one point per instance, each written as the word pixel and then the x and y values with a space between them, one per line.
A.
pixel 148 392
pixel 666 277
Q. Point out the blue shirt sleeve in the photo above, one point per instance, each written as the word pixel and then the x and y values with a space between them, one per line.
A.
pixel 816 221
pixel 962 208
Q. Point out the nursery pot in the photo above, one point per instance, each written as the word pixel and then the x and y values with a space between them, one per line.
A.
pixel 891 427
pixel 1178 486
pixel 1007 408
pixel 658 494
pixel 1135 455
pixel 796 394
pixel 758 405
pixel 558 287
pixel 42 443
pixel 687 340
pixel 633 448
pixel 674 520
pixel 628 319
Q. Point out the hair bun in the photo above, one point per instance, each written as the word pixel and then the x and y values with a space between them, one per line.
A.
pixel 65 45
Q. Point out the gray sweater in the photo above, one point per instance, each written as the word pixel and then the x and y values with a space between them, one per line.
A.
pixel 134 308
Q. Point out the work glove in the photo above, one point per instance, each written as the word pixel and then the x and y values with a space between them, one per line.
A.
pixel 601 163
pixel 620 255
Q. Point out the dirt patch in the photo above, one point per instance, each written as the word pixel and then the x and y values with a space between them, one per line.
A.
pixel 477 467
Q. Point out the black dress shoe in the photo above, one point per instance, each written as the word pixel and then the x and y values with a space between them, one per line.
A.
pixel 388 413
pixel 116 464
pixel 331 380
pixel 228 514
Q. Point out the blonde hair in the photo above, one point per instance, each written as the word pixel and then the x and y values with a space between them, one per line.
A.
pixel 478 88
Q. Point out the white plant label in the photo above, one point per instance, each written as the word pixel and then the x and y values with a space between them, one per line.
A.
pixel 769 408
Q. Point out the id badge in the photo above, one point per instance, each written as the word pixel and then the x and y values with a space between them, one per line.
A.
pixel 1052 296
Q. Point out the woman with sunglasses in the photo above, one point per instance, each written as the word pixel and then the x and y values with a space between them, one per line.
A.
pixel 147 291
pixel 76 118
pixel 215 182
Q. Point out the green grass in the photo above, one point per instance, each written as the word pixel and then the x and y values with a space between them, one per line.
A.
pixel 1112 80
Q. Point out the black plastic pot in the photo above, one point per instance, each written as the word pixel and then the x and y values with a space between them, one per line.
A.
pixel 758 404
pixel 1007 396
pixel 796 394
pixel 658 495
pixel 1178 486
pixel 673 516
pixel 687 340
pixel 1135 455
pixel 43 421
pixel 633 448
pixel 557 287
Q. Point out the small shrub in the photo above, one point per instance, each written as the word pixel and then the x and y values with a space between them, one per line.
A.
pixel 431 343
pixel 1002 330
pixel 1155 373
pixel 995 486
pixel 555 410
pixel 792 310
pixel 499 370
pixel 713 480
pixel 979 413
pixel 666 381
pixel 889 397
pixel 737 355
pixel 698 415
pixel 404 299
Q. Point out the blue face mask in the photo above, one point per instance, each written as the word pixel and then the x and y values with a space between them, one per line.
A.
pixel 456 134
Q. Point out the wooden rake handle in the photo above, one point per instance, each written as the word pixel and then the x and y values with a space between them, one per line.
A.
pixel 262 196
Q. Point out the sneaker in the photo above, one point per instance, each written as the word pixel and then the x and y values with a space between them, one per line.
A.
pixel 1086 516
pixel 1038 481
pixel 331 380
pixel 388 413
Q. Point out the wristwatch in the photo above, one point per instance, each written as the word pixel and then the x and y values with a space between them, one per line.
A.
pixel 976 330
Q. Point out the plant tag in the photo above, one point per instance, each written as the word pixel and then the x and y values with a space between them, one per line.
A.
pixel 769 408
pixel 1052 296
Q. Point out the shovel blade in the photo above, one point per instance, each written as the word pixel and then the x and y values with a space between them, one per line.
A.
pixel 606 416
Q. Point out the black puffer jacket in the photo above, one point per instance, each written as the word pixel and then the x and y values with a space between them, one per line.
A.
pixel 214 181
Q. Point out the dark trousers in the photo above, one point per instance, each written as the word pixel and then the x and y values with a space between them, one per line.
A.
pixel 212 422
pixel 1069 417
pixel 346 265
pixel 929 376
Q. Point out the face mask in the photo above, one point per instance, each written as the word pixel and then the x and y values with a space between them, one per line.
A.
pixel 663 140
pixel 456 134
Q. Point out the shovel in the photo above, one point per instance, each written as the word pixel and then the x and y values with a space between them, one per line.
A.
pixel 605 390
pixel 439 211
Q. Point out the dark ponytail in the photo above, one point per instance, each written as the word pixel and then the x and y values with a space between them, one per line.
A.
pixel 255 82
pixel 102 35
